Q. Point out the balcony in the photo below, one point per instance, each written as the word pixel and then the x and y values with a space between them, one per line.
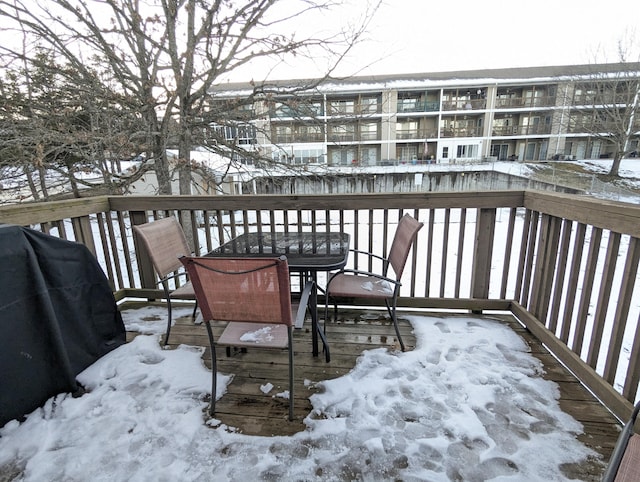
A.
pixel 418 106
pixel 416 134
pixel 303 111
pixel 289 138
pixel 464 104
pixel 351 109
pixel 564 267
pixel 460 131
pixel 364 136
pixel 525 102
pixel 522 130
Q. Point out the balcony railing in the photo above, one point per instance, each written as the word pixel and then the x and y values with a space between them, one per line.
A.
pixel 464 104
pixel 460 132
pixel 296 112
pixel 353 136
pixel 353 109
pixel 540 129
pixel 416 134
pixel 566 266
pixel 297 137
pixel 523 102
pixel 418 106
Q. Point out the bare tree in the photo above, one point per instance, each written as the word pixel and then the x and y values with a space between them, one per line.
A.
pixel 608 104
pixel 164 57
pixel 52 133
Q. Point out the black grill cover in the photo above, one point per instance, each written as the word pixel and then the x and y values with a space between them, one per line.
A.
pixel 57 316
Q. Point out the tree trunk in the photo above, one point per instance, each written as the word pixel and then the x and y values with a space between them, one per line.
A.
pixel 162 169
pixel 32 185
pixel 43 182
pixel 615 167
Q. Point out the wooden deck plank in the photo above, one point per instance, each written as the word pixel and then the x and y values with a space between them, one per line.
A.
pixel 247 409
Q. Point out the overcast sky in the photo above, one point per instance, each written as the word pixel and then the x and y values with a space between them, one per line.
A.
pixel 462 34
pixel 429 36
pixel 409 36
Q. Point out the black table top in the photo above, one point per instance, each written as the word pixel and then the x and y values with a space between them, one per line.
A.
pixel 304 251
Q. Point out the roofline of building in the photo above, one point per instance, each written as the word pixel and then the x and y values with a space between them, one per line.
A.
pixel 516 73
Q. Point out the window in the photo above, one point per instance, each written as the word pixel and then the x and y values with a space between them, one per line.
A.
pixel 408 153
pixel 343 156
pixel 407 130
pixel 342 106
pixel 241 134
pixel 369 105
pixel 289 155
pixel 343 132
pixel 283 134
pixel 408 105
pixel 445 152
pixel 467 151
pixel 369 131
pixel 368 155
pixel 310 133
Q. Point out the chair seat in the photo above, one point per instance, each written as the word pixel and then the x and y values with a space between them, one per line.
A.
pixel 263 335
pixel 360 286
pixel 184 292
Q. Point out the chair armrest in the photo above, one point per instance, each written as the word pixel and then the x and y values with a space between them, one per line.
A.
pixel 367 253
pixel 173 276
pixel 305 297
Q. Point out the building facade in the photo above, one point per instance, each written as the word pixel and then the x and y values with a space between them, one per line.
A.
pixel 529 114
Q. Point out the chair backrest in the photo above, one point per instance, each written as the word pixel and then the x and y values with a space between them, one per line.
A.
pixel 404 238
pixel 241 289
pixel 165 242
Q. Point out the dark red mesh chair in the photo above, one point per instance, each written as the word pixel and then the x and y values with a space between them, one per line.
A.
pixel 165 242
pixel 253 295
pixel 349 283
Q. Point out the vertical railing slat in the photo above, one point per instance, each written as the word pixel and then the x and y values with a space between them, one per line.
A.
pixel 483 251
pixel 561 268
pixel 572 284
pixel 587 290
pixel 624 299
pixel 604 296
pixel 461 244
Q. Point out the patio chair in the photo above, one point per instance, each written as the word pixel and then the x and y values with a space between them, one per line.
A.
pixel 349 283
pixel 254 296
pixel 165 243
pixel 624 464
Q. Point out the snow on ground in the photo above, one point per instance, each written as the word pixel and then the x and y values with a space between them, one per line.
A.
pixel 468 403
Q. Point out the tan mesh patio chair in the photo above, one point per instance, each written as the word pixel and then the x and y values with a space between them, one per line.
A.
pixel 253 295
pixel 624 464
pixel 165 243
pixel 349 283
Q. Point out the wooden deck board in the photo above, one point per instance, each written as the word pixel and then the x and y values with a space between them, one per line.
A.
pixel 246 408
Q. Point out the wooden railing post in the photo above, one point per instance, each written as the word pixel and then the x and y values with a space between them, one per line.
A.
pixel 145 267
pixel 545 267
pixel 83 233
pixel 483 250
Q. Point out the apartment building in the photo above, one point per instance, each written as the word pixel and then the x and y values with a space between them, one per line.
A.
pixel 535 113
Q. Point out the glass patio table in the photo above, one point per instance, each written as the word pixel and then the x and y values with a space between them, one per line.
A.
pixel 307 253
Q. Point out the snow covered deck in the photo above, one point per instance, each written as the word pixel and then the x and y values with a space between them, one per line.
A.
pixel 473 397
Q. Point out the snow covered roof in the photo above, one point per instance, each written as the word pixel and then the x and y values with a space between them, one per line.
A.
pixel 519 75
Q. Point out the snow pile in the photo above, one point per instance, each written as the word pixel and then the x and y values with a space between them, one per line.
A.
pixel 467 404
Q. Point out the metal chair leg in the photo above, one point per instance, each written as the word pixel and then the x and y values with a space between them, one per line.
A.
pixel 166 337
pixel 291 397
pixel 214 370
pixel 392 314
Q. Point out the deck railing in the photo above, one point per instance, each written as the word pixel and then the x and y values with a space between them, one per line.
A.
pixel 566 266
